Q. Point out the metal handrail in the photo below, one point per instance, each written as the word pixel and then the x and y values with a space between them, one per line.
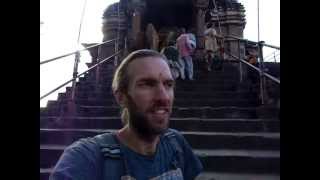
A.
pixel 271 57
pixel 257 69
pixel 59 57
pixel 241 39
pixel 271 54
pixel 92 67
pixel 272 46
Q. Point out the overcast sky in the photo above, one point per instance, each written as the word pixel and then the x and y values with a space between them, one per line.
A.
pixel 60 28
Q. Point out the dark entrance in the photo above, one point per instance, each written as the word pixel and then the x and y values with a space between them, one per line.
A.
pixel 169 13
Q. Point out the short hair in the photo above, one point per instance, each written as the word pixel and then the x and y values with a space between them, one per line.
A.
pixel 121 78
pixel 171 43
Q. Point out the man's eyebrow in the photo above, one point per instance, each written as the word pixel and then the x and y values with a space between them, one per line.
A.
pixel 169 80
pixel 147 79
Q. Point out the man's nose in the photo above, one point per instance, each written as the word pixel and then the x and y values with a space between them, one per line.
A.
pixel 162 93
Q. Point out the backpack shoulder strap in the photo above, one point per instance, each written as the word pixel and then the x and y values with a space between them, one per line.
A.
pixel 173 140
pixel 109 146
pixel 114 166
pixel 171 135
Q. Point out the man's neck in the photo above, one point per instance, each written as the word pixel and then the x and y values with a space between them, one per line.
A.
pixel 145 146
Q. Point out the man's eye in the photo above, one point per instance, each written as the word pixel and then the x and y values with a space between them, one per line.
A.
pixel 146 84
pixel 170 84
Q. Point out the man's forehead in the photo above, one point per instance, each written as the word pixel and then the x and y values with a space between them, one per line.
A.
pixel 149 67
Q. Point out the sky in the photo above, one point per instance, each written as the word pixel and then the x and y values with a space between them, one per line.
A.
pixel 60 29
pixel 269 22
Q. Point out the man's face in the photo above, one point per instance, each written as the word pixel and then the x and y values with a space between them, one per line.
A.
pixel 150 95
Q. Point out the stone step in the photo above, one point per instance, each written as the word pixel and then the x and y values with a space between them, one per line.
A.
pixel 211 91
pixel 241 102
pixel 52 104
pixel 198 68
pixel 223 160
pixel 178 94
pixel 206 175
pixel 44 173
pixel 215 89
pixel 236 176
pixel 240 161
pixel 183 97
pixel 182 124
pixel 228 70
pixel 197 65
pixel 199 140
pixel 206 89
pixel 198 79
pixel 187 86
pixel 182 112
pixel 182 83
pixel 226 73
pixel 208 80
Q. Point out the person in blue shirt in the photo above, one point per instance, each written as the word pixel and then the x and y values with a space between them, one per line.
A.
pixel 145 148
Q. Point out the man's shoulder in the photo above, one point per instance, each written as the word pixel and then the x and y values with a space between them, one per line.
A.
pixel 175 135
pixel 84 146
pixel 171 131
pixel 93 143
pixel 95 148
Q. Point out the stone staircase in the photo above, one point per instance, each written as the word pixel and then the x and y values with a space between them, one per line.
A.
pixel 217 115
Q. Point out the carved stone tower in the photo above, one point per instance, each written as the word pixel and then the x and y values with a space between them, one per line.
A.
pixel 129 19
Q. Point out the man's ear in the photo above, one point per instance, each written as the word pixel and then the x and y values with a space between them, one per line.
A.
pixel 121 98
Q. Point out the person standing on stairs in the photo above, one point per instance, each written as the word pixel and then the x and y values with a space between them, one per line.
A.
pixel 172 56
pixel 252 75
pixel 211 46
pixel 145 148
pixel 186 46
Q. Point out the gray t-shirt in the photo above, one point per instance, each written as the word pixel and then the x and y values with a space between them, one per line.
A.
pixel 84 160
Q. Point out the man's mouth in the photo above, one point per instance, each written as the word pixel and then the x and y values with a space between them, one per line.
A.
pixel 160 111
